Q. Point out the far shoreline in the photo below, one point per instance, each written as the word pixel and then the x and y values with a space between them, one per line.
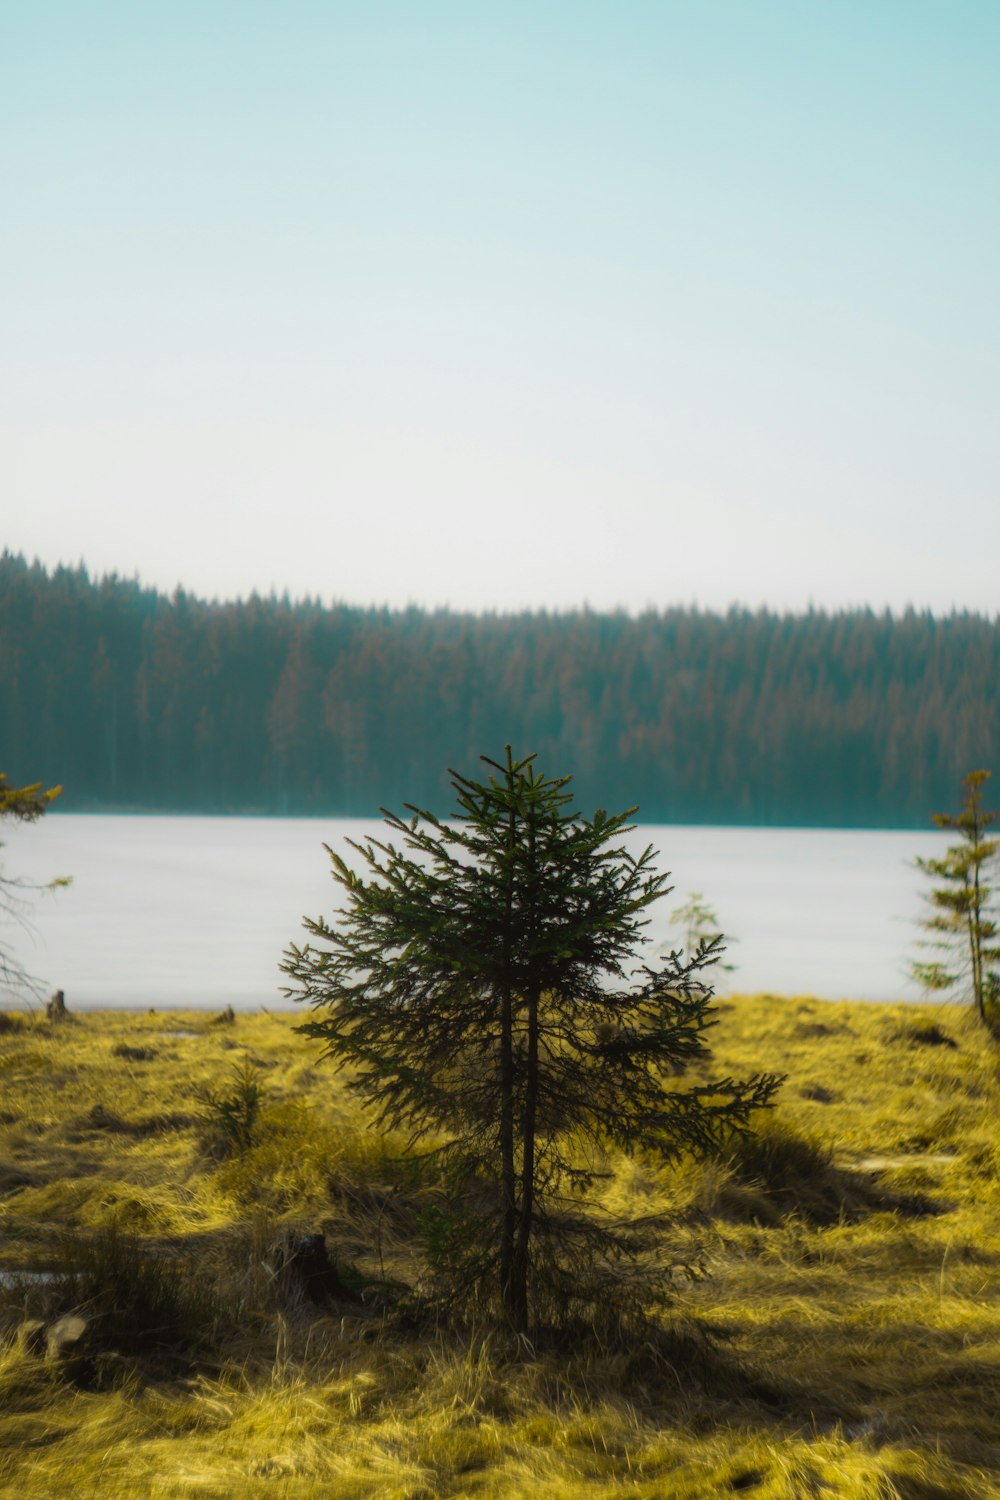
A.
pixel 217 1007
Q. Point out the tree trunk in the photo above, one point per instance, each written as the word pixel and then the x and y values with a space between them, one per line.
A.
pixel 522 1249
pixel 529 1112
pixel 508 1181
pixel 975 919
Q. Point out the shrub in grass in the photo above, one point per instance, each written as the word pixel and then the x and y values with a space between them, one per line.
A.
pixel 927 1034
pixel 777 1156
pixel 779 1171
pixel 140 1302
pixel 298 1164
pixel 284 1168
pixel 231 1116
pixel 133 1054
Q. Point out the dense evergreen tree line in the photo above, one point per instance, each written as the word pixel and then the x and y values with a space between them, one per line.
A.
pixel 136 700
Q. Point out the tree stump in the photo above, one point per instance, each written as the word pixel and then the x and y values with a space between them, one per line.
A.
pixel 67 1345
pixel 304 1265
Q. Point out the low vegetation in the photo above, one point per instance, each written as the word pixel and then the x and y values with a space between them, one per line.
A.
pixel 161 1174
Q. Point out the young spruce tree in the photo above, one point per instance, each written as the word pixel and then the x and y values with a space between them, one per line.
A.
pixel 21 804
pixel 965 934
pixel 479 983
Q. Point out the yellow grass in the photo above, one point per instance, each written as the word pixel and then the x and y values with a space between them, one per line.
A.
pixel 849 1338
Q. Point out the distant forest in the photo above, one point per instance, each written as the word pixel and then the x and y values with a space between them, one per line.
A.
pixel 139 701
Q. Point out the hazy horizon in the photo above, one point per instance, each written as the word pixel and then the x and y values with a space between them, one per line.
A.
pixel 736 606
pixel 634 306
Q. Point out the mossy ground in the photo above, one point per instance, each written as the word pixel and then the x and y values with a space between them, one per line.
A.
pixel 846 1341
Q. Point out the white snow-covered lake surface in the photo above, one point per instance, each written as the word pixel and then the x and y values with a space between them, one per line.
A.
pixel 193 912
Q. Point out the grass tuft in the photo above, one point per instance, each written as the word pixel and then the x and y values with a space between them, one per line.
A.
pixel 136 1299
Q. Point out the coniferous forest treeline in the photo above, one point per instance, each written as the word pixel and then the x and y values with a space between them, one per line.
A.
pixel 140 701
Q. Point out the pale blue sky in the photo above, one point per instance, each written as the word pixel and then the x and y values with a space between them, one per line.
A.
pixel 506 305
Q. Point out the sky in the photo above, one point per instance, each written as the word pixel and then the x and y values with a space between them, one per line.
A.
pixel 543 304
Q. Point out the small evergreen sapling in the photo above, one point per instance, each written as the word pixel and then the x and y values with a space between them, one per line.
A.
pixel 21 804
pixel 234 1116
pixel 963 927
pixel 699 924
pixel 482 983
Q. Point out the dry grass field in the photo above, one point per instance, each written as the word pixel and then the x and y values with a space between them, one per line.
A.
pixel 844 1341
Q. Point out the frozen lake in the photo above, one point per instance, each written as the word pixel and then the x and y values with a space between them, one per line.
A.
pixel 177 911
